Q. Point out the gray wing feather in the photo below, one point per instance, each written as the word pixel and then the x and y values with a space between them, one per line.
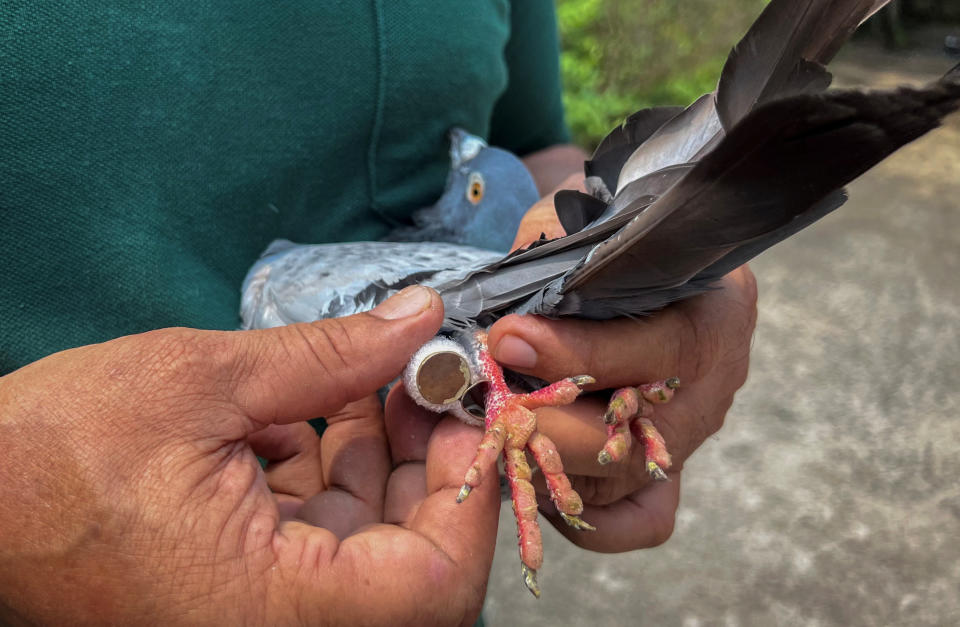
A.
pixel 301 283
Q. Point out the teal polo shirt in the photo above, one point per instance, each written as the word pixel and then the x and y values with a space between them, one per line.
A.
pixel 150 151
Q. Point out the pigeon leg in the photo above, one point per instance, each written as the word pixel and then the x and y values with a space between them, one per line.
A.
pixel 511 426
pixel 629 411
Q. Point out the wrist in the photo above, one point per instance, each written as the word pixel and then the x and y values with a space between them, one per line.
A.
pixel 554 167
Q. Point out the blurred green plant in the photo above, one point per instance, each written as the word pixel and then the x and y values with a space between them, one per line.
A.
pixel 622 55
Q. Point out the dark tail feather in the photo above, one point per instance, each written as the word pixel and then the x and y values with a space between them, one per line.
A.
pixel 784 52
pixel 575 210
pixel 619 144
pixel 953 74
pixel 498 287
pixel 678 141
pixel 773 167
pixel 742 254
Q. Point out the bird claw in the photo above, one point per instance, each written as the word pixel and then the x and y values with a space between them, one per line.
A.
pixel 511 428
pixel 577 523
pixel 582 380
pixel 615 406
pixel 530 579
pixel 656 472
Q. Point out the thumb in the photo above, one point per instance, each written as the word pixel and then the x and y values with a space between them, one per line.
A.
pixel 303 371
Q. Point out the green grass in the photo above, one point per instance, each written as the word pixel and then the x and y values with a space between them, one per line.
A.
pixel 620 55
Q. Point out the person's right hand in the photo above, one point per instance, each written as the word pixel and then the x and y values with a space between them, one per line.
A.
pixel 132 493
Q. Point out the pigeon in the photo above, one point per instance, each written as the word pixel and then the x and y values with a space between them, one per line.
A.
pixel 677 198
pixel 487 193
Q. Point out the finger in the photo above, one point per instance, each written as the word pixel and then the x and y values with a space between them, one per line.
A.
pixel 406 490
pixel 644 519
pixel 294 466
pixel 279 443
pixel 541 218
pixel 356 464
pixel 683 340
pixel 466 531
pixel 433 573
pixel 579 433
pixel 598 490
pixel 302 371
pixel 408 427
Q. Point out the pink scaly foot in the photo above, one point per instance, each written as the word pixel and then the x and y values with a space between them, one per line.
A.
pixel 511 426
pixel 629 412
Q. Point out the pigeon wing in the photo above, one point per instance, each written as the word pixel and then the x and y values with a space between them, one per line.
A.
pixel 301 283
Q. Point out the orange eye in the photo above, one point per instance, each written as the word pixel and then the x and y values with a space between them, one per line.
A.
pixel 475 187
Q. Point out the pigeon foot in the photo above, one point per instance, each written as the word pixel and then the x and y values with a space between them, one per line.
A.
pixel 511 427
pixel 628 416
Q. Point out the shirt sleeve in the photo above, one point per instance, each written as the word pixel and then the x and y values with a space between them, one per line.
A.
pixel 529 114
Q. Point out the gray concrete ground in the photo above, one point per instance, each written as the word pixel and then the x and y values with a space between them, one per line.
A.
pixel 832 494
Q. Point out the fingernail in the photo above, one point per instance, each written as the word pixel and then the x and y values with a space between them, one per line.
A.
pixel 407 302
pixel 512 351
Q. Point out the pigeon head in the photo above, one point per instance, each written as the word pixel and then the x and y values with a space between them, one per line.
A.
pixel 487 193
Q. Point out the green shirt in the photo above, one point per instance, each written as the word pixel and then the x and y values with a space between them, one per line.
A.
pixel 150 151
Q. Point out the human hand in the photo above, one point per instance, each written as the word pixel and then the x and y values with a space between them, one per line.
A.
pixel 541 218
pixel 133 492
pixel 705 341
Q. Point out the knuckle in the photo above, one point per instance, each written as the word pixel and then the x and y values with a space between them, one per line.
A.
pixel 748 284
pixel 603 491
pixel 590 357
pixel 744 301
pixel 740 369
pixel 664 523
pixel 607 492
pixel 180 355
pixel 698 346
pixel 323 346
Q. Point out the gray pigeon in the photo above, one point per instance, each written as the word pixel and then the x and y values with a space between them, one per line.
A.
pixel 679 197
pixel 487 193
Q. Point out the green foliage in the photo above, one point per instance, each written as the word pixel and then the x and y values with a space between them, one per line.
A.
pixel 623 55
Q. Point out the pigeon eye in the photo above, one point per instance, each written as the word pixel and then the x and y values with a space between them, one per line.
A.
pixel 475 187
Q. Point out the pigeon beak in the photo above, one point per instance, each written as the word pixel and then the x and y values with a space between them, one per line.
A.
pixel 463 147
